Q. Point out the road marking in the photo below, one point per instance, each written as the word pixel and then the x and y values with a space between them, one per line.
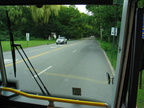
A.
pixel 109 63
pixel 53 47
pixel 61 45
pixel 76 77
pixel 74 51
pixel 9 60
pixel 43 53
pixel 43 71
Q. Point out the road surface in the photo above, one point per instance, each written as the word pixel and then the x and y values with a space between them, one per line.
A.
pixel 79 64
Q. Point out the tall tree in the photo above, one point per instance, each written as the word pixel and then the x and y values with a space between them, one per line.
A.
pixel 69 22
pixel 73 23
pixel 28 16
pixel 3 24
pixel 140 3
pixel 105 17
pixel 42 14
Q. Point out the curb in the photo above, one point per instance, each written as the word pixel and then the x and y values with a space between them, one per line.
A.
pixel 111 67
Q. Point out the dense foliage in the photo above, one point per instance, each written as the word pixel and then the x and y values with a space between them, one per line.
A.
pixel 105 17
pixel 42 22
pixel 63 20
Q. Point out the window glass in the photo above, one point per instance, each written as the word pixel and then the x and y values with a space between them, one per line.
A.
pixel 83 66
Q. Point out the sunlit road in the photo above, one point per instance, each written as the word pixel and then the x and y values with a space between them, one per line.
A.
pixel 78 64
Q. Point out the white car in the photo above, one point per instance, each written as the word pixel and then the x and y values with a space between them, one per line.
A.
pixel 61 40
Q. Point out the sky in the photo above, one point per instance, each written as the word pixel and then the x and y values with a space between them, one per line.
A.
pixel 81 8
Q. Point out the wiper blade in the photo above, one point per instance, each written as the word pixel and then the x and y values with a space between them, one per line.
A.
pixel 13 46
pixel 27 59
pixel 39 81
pixel 11 43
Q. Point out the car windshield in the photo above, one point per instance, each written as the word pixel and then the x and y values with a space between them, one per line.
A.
pixel 83 68
pixel 61 38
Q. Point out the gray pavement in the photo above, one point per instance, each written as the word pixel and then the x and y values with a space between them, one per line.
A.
pixel 78 64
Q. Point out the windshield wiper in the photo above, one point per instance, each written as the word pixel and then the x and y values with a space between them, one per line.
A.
pixel 11 43
pixel 13 46
pixel 18 45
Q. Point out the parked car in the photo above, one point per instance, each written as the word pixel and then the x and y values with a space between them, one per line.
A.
pixel 61 40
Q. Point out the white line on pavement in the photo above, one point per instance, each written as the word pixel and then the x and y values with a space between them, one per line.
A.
pixel 9 60
pixel 43 71
pixel 53 47
pixel 74 51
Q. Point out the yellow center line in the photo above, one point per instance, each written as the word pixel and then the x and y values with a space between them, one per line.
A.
pixel 77 77
pixel 42 54
pixel 73 77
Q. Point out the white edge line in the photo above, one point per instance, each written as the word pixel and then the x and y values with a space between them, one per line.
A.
pixel 43 71
pixel 74 51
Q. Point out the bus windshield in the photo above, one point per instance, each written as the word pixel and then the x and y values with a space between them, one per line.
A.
pixel 82 66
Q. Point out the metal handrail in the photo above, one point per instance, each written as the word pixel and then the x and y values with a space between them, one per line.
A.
pixel 101 104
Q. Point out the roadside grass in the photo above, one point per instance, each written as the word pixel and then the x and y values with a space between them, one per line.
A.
pixel 110 51
pixel 140 95
pixel 26 44
pixel 112 55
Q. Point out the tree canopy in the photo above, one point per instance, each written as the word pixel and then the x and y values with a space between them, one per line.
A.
pixel 41 22
pixel 105 17
pixel 60 19
pixel 42 14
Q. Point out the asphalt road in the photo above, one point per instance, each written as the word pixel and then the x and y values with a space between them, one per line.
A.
pixel 79 64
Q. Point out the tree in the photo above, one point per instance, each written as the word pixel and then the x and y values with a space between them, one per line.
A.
pixel 105 17
pixel 73 23
pixel 42 14
pixel 140 3
pixel 32 17
pixel 69 22
pixel 3 24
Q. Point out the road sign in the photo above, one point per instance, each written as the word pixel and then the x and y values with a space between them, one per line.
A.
pixel 114 31
pixel 49 38
pixel 27 36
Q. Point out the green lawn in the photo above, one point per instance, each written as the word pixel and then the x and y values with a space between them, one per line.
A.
pixel 25 44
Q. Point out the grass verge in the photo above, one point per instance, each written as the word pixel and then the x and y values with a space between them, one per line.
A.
pixel 111 52
pixel 25 44
pixel 140 95
pixel 112 55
